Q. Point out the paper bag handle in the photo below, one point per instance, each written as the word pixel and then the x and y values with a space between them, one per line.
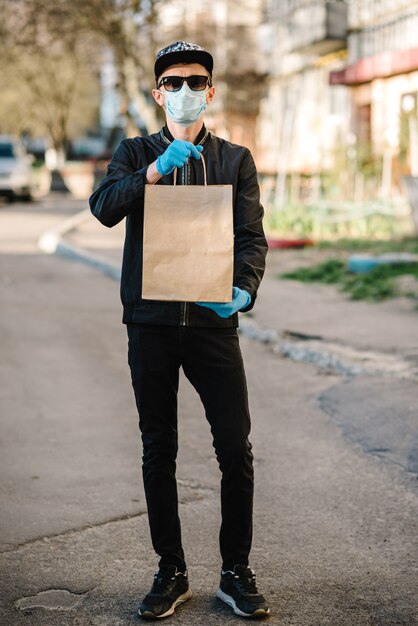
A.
pixel 204 171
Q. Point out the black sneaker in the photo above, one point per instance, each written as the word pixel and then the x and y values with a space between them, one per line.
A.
pixel 239 590
pixel 170 588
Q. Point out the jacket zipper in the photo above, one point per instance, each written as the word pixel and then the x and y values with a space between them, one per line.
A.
pixel 184 307
pixel 184 314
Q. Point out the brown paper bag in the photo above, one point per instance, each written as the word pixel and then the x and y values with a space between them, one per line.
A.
pixel 188 245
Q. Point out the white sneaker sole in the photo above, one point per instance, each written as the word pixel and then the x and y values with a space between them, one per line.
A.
pixel 183 598
pixel 230 600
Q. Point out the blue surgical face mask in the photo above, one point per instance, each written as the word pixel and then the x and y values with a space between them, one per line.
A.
pixel 185 106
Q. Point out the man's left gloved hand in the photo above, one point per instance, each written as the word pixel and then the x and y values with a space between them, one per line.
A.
pixel 240 299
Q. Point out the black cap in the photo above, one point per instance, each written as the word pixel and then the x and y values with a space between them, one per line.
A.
pixel 182 52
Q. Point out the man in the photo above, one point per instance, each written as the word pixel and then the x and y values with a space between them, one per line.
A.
pixel 200 337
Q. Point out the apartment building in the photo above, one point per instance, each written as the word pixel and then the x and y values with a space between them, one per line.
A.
pixel 303 117
pixel 306 83
pixel 382 74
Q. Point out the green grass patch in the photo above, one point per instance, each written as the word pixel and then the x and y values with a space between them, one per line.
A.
pixel 375 286
pixel 330 271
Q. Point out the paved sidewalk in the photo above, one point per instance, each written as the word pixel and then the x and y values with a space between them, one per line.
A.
pixel 100 241
pixel 318 309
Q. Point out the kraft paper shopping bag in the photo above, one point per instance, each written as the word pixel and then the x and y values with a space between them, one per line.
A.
pixel 188 242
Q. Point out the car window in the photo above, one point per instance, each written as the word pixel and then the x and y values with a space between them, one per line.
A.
pixel 6 150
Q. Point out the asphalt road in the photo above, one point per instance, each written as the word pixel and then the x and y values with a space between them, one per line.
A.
pixel 335 511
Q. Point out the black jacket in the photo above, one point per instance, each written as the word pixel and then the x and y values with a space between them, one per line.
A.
pixel 121 194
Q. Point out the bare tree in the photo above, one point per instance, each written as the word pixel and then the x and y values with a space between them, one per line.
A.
pixel 119 24
pixel 50 85
pixel 51 53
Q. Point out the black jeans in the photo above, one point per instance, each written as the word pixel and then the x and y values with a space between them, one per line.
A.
pixel 212 361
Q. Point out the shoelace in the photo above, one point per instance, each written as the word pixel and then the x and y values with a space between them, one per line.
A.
pixel 161 582
pixel 247 582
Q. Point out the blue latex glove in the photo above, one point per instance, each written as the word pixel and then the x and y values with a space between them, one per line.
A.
pixel 176 155
pixel 240 299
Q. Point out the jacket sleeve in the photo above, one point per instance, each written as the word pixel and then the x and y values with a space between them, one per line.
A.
pixel 250 244
pixel 122 189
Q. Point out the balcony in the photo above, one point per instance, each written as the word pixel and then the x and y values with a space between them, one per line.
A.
pixel 318 27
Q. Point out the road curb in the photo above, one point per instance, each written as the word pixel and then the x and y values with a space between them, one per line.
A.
pixel 53 242
pixel 48 241
pixel 329 354
pixel 67 251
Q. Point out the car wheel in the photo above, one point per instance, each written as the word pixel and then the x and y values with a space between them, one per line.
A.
pixel 26 196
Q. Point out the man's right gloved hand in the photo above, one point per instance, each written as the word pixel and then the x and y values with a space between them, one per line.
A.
pixel 176 155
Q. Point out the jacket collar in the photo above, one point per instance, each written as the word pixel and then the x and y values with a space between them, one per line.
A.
pixel 167 137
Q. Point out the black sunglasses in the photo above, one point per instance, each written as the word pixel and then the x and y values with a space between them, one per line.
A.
pixel 175 83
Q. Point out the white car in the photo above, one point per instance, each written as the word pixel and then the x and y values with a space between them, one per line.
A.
pixel 15 169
